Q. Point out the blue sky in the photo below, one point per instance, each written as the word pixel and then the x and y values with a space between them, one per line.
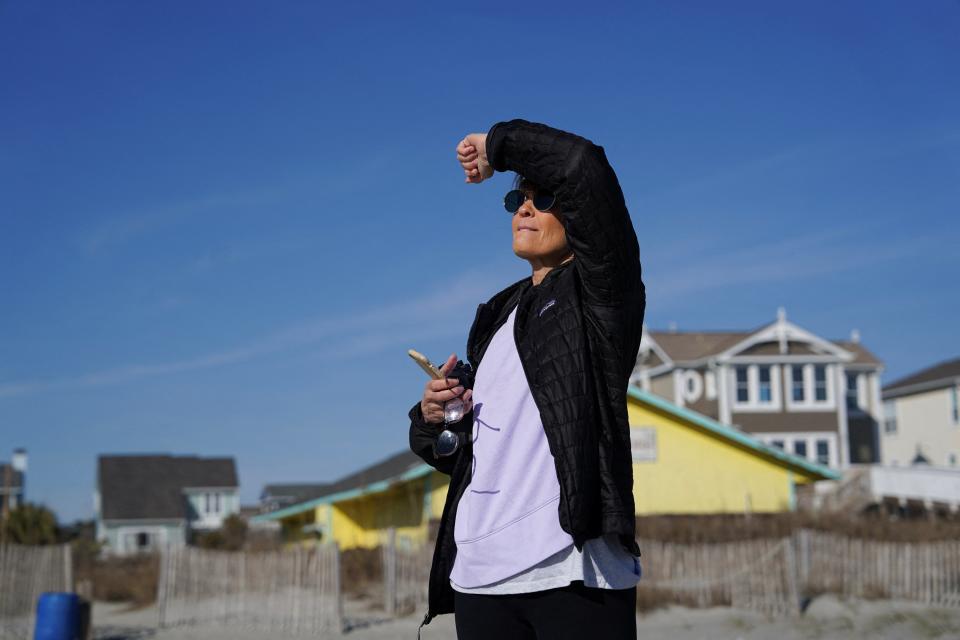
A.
pixel 223 224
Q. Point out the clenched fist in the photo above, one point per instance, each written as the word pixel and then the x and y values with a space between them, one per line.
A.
pixel 472 155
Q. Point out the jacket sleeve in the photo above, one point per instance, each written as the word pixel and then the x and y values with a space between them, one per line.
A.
pixel 591 204
pixel 423 438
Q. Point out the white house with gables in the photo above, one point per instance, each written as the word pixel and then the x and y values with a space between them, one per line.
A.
pixel 148 502
pixel 816 398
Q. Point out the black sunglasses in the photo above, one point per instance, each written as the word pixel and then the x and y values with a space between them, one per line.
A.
pixel 542 200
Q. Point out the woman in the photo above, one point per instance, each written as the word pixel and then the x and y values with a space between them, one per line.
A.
pixel 537 539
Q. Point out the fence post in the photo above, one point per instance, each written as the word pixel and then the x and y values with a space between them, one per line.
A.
pixel 162 589
pixel 337 587
pixel 793 594
pixel 390 573
pixel 803 570
pixel 68 568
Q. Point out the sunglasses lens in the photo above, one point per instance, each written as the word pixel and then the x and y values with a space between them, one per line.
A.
pixel 513 200
pixel 543 201
pixel 447 443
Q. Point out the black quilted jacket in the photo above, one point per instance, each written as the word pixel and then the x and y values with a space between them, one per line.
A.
pixel 577 335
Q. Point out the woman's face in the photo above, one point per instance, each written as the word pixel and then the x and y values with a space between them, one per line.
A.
pixel 538 235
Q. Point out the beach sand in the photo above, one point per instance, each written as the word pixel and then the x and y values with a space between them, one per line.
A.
pixel 827 618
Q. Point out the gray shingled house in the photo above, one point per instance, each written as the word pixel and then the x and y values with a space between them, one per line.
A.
pixel 146 502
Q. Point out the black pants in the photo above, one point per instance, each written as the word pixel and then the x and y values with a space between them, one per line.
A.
pixel 574 611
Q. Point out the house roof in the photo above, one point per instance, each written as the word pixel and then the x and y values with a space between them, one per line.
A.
pixel 294 492
pixel 385 469
pixel 150 487
pixel 16 477
pixel 862 355
pixel 405 465
pixel 697 345
pixel 694 345
pixel 943 374
pixel 373 479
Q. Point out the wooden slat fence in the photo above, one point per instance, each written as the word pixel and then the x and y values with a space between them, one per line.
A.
pixel 753 574
pixel 405 576
pixel 294 592
pixel 25 573
pixel 926 572
pixel 771 576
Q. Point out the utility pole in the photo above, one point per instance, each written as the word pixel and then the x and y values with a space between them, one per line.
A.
pixel 5 513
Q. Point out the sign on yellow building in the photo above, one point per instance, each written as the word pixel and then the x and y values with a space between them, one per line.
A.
pixel 683 463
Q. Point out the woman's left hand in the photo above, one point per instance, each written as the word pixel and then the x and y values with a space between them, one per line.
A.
pixel 472 155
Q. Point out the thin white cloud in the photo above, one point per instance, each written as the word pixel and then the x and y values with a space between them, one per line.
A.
pixel 122 227
pixel 365 331
pixel 809 256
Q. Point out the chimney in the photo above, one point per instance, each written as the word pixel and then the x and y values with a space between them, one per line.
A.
pixel 781 314
pixel 19 461
pixel 855 336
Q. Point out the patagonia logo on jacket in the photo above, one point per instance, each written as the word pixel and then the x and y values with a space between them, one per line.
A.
pixel 546 306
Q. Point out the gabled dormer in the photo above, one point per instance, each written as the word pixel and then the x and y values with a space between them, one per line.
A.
pixel 776 379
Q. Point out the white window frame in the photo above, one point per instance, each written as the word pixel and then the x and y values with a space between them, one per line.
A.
pixel 788 376
pixel 890 416
pixel 856 389
pixel 211 503
pixel 736 384
pixel 816 454
pixel 753 403
pixel 806 448
pixel 810 437
pixel 810 403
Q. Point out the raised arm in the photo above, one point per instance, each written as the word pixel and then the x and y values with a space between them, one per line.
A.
pixel 591 203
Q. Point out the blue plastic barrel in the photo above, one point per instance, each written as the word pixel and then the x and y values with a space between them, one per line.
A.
pixel 58 617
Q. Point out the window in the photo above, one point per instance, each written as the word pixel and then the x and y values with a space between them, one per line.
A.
pixel 889 417
pixel 823 452
pixel 952 458
pixel 800 448
pixel 211 503
pixel 777 443
pixel 820 383
pixel 143 540
pixel 766 393
pixel 799 391
pixel 853 403
pixel 743 385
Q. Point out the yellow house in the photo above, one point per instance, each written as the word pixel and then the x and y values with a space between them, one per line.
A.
pixel 683 463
